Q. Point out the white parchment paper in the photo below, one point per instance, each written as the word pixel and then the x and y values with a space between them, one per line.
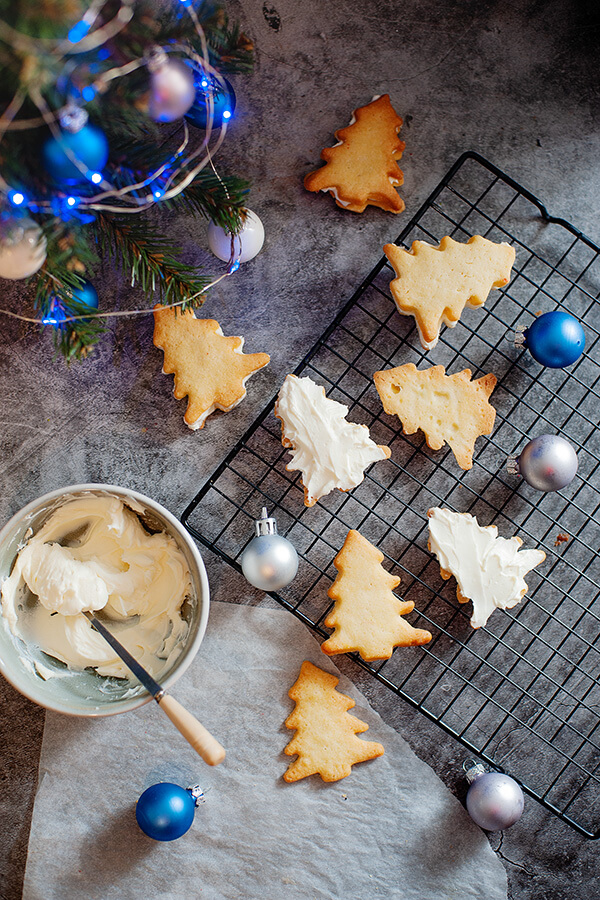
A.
pixel 389 830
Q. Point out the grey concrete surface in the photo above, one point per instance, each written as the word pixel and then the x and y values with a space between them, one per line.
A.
pixel 517 81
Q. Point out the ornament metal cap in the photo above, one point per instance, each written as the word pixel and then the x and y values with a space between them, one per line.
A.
pixel 156 58
pixel 473 770
pixel 512 465
pixel 73 118
pixel 197 794
pixel 519 339
pixel 266 524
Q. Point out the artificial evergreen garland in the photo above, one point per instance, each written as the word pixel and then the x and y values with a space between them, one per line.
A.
pixel 61 57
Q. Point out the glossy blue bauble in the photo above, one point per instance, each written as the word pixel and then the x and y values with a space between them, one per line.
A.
pixel 165 811
pixel 86 294
pixel 555 339
pixel 223 101
pixel 88 144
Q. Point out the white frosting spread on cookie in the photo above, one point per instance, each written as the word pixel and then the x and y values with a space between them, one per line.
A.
pixel 329 451
pixel 489 570
pixel 94 554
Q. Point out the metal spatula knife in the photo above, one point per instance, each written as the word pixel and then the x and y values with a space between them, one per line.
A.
pixel 195 734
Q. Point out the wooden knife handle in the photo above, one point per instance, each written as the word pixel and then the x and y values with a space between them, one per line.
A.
pixel 195 734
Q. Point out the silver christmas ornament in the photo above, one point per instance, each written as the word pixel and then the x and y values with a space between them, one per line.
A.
pixel 172 88
pixel 270 561
pixel 22 248
pixel 246 244
pixel 494 800
pixel 547 463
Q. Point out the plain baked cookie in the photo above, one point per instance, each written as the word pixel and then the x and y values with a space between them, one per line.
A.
pixel 448 408
pixel 325 741
pixel 434 284
pixel 209 368
pixel 361 169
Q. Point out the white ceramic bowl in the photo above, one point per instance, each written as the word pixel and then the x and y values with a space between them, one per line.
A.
pixel 85 693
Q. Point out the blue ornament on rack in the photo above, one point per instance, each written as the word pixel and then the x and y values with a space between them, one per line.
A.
pixel 87 294
pixel 223 97
pixel 494 800
pixel 555 339
pixel 547 463
pixel 88 145
pixel 165 811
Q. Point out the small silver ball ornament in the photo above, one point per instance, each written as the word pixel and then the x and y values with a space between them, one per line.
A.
pixel 547 463
pixel 270 561
pixel 494 800
pixel 172 88
pixel 22 248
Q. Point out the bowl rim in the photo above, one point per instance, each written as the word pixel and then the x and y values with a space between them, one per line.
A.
pixel 125 705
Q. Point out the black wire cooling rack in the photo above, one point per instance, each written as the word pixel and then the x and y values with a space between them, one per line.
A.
pixel 522 693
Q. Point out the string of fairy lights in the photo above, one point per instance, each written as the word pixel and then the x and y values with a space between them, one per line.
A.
pixel 165 182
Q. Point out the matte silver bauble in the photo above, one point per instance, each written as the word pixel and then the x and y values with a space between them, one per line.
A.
pixel 270 561
pixel 547 463
pixel 246 244
pixel 494 800
pixel 22 248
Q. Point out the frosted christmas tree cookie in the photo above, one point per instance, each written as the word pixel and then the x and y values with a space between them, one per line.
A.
pixel 434 284
pixel 489 570
pixel 329 451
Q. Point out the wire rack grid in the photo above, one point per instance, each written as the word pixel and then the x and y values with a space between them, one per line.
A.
pixel 522 692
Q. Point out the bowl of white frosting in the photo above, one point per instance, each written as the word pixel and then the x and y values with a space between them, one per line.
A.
pixel 119 554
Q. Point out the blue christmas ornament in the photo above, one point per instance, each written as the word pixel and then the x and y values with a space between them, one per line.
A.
pixel 223 97
pixel 88 144
pixel 555 339
pixel 86 294
pixel 165 811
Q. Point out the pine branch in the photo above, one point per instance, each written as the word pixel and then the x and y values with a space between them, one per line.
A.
pixel 152 259
pixel 219 198
pixel 69 255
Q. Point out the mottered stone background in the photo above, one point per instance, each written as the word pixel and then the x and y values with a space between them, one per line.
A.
pixel 517 82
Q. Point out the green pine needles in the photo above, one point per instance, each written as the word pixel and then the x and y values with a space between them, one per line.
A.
pixel 38 64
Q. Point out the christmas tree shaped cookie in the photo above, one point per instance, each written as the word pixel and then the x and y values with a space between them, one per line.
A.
pixel 361 169
pixel 209 368
pixel 489 570
pixel 448 408
pixel 434 284
pixel 329 451
pixel 367 616
pixel 325 740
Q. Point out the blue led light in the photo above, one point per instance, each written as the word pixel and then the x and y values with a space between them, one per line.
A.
pixel 88 93
pixel 78 31
pixel 56 317
pixel 157 193
pixel 226 113
pixel 71 201
pixel 204 83
pixel 16 198
pixel 94 177
pixel 103 53
pixel 234 267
